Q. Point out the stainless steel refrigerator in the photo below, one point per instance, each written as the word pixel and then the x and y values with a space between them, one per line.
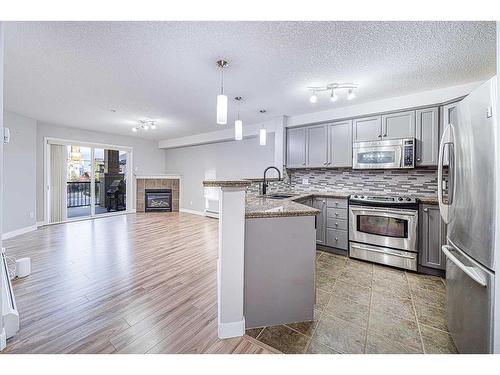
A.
pixel 467 205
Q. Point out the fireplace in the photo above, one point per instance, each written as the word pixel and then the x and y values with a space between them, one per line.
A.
pixel 158 200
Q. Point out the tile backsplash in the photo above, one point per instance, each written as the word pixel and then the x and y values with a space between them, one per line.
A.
pixel 414 181
pixel 419 181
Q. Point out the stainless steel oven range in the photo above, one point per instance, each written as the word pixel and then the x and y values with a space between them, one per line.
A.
pixel 383 229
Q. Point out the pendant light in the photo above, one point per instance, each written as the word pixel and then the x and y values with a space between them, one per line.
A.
pixel 262 132
pixel 262 137
pixel 221 98
pixel 238 124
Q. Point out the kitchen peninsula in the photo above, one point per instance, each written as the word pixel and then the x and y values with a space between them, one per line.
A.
pixel 266 266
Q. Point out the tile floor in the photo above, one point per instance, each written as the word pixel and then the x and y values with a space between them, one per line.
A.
pixel 365 308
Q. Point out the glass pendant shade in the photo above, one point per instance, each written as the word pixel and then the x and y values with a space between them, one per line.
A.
pixel 262 137
pixel 221 109
pixel 238 130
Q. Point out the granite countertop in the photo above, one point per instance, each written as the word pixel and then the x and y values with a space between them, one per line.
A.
pixel 261 207
pixel 221 183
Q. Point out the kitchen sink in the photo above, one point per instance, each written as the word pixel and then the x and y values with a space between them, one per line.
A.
pixel 280 196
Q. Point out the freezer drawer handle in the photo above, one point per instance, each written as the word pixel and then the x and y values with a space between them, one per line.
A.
pixel 471 271
pixel 382 251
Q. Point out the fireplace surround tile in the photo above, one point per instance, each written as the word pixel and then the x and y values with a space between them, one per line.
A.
pixel 156 183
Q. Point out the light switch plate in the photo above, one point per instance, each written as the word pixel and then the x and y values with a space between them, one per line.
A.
pixel 305 181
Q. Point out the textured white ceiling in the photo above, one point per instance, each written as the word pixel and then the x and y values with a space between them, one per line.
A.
pixel 72 73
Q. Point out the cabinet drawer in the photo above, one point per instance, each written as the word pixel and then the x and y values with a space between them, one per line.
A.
pixel 336 223
pixel 336 238
pixel 336 213
pixel 336 202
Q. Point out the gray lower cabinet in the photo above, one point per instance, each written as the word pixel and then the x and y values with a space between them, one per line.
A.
pixel 296 147
pixel 398 125
pixel 432 237
pixel 340 144
pixel 320 204
pixel 317 146
pixel 336 223
pixel 427 137
pixel 367 129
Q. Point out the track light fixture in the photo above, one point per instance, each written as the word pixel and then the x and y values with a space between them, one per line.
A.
pixel 333 88
pixel 145 125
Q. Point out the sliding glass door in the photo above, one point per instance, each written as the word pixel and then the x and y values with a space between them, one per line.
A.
pixel 85 181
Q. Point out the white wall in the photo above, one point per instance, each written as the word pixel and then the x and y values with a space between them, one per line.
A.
pixel 148 158
pixel 19 166
pixel 221 161
pixel 496 313
pixel 2 332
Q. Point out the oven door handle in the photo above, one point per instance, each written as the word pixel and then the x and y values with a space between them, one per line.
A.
pixel 384 210
pixel 382 251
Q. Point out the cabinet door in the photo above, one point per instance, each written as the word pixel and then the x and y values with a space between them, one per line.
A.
pixel 317 144
pixel 367 129
pixel 427 137
pixel 340 144
pixel 398 125
pixel 432 237
pixel 296 148
pixel 320 204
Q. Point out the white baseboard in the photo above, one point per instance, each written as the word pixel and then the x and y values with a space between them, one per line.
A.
pixel 233 329
pixel 18 232
pixel 215 215
pixel 194 212
pixel 40 224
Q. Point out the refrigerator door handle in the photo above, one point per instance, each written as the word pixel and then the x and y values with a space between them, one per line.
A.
pixel 445 139
pixel 470 271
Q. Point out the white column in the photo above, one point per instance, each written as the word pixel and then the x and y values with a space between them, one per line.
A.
pixel 230 265
pixel 231 257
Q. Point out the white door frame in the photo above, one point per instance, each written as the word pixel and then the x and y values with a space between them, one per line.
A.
pixel 47 141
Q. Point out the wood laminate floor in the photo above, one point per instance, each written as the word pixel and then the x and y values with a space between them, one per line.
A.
pixel 140 283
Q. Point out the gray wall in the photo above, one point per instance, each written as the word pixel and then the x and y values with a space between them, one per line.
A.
pixel 148 158
pixel 223 160
pixel 19 166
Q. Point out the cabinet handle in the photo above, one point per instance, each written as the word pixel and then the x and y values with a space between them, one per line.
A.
pixel 380 135
pixel 426 210
pixel 336 224
pixel 418 159
pixel 336 238
pixel 336 214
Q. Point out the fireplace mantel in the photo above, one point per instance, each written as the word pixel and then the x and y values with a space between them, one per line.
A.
pixel 159 177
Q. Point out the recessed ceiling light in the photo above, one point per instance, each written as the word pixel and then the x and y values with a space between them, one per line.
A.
pixel 313 98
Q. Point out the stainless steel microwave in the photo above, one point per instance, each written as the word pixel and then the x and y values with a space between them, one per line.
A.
pixel 385 154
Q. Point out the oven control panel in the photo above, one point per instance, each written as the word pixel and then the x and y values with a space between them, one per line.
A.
pixel 408 153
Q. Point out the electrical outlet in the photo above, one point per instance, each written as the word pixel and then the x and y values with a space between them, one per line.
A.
pixel 305 181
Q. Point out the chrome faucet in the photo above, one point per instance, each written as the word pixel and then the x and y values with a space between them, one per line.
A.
pixel 265 183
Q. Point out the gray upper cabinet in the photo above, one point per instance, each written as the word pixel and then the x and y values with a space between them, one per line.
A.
pixel 320 204
pixel 317 146
pixel 432 237
pixel 296 147
pixel 367 129
pixel 340 144
pixel 398 125
pixel 427 137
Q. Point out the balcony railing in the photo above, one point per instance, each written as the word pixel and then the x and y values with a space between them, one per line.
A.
pixel 78 193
